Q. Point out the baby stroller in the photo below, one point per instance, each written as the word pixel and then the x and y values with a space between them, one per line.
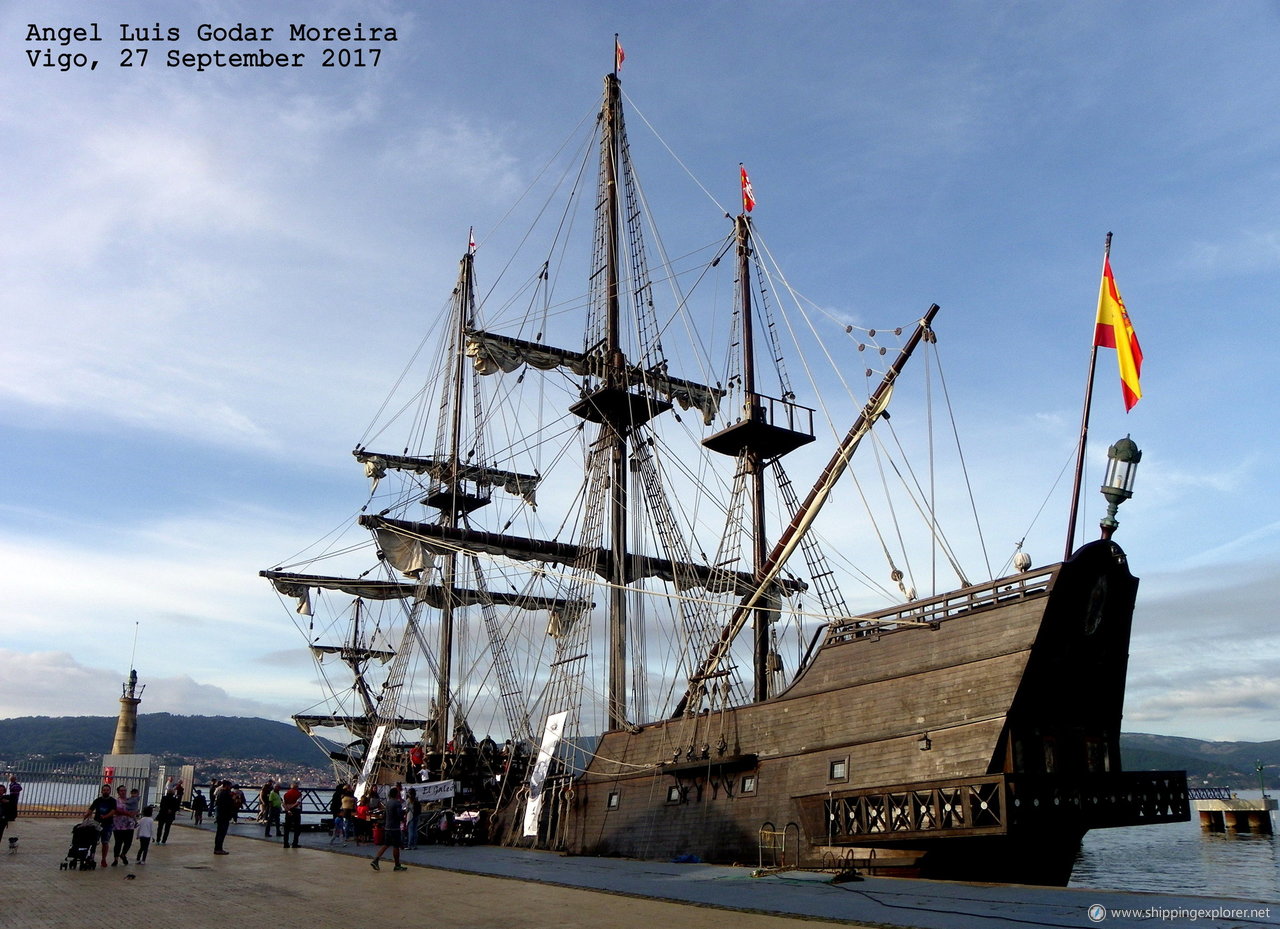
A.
pixel 84 841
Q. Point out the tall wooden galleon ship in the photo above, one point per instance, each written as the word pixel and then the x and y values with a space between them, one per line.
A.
pixel 612 625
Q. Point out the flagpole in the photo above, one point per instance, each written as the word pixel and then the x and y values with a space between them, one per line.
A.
pixel 1084 428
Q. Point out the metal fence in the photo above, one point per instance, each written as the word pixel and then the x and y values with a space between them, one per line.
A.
pixel 67 790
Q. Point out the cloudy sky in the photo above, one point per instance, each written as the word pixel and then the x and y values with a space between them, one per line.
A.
pixel 211 278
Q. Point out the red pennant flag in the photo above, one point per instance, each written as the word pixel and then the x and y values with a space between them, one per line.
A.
pixel 748 195
pixel 619 56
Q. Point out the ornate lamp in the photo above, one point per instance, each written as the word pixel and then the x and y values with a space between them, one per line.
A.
pixel 1122 467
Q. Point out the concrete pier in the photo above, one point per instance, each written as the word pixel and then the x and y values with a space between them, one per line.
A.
pixel 261 884
pixel 1236 815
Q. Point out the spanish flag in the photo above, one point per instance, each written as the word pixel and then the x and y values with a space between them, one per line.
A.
pixel 1114 330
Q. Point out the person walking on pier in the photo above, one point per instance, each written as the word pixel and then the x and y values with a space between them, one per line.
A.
pixel 413 811
pixel 124 823
pixel 146 827
pixel 339 816
pixel 103 810
pixel 168 812
pixel 224 810
pixel 273 804
pixel 264 805
pixel 292 815
pixel 393 819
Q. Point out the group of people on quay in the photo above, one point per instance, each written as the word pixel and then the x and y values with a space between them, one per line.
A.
pixel 279 808
pixel 120 817
pixel 388 818
pixel 385 818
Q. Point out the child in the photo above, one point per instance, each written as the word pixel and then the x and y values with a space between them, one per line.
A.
pixel 146 829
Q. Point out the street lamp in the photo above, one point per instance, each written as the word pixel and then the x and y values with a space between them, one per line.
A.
pixel 1122 468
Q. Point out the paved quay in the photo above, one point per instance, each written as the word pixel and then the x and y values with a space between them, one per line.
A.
pixel 184 886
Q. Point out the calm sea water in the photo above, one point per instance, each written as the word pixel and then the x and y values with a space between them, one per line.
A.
pixel 1181 858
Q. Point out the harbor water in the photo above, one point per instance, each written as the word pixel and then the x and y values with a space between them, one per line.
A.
pixel 1182 858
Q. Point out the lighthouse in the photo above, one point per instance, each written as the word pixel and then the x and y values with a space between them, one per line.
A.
pixel 127 723
pixel 123 767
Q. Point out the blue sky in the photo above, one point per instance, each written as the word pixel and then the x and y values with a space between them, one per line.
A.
pixel 211 279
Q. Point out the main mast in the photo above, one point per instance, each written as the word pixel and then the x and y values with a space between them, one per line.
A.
pixel 453 506
pixel 613 404
pixel 614 429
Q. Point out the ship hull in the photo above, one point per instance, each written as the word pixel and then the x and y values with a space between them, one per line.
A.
pixel 975 736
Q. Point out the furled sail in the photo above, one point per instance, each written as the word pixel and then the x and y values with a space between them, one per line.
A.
pixel 296 585
pixel 408 545
pixel 307 721
pixel 444 471
pixel 491 352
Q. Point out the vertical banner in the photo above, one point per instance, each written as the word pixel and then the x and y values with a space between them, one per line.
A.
pixel 550 739
pixel 371 759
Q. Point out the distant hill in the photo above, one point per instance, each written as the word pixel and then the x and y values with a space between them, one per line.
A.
pixel 1216 764
pixel 163 735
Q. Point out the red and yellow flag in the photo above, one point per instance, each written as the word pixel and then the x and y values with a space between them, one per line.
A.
pixel 619 56
pixel 1114 330
pixel 748 195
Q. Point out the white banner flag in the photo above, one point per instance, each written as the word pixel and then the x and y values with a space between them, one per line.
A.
pixel 436 790
pixel 550 738
pixel 370 759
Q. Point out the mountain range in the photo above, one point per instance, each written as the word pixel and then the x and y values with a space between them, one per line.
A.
pixel 1208 764
pixel 74 738
pixel 170 737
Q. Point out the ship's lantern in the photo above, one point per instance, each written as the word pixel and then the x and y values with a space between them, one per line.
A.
pixel 1122 468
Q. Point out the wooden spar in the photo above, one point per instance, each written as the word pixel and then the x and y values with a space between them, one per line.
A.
pixel 809 509
pixel 1084 427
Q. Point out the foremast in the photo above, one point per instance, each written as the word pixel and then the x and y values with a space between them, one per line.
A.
pixel 757 439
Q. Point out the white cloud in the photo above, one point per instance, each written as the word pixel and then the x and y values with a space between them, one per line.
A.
pixel 53 683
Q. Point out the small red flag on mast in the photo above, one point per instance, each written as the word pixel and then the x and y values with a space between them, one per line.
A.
pixel 748 195
pixel 619 56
